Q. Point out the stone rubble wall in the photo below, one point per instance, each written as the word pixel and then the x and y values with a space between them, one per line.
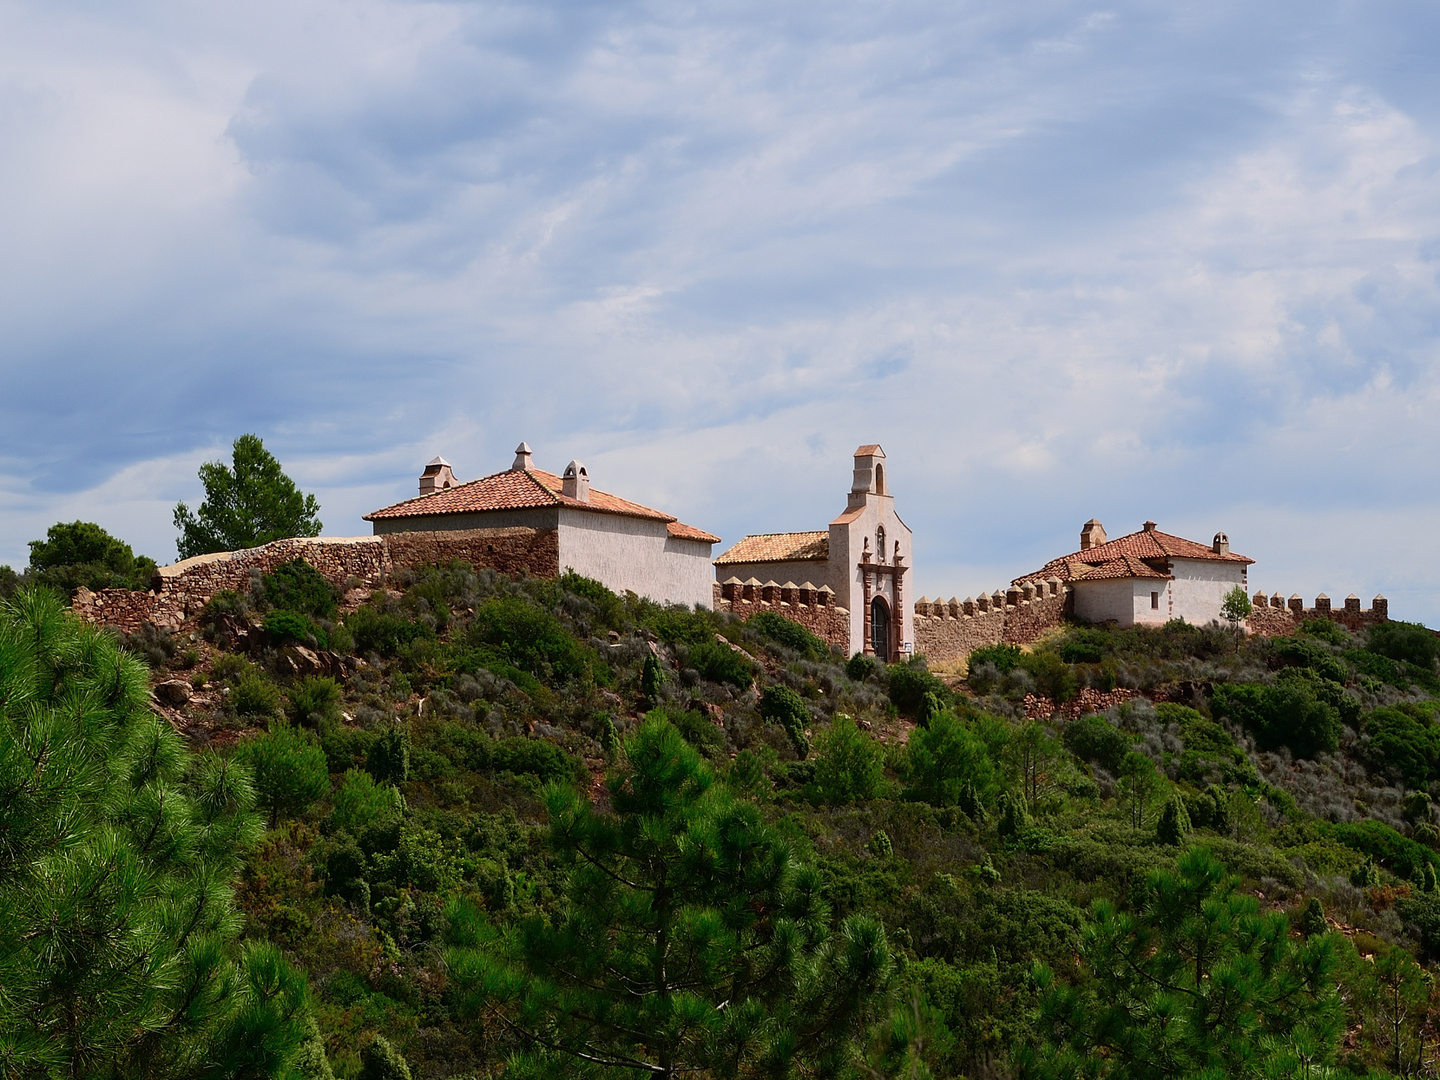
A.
pixel 815 610
pixel 1274 616
pixel 179 592
pixel 948 631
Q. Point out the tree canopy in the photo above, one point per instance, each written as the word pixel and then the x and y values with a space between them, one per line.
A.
pixel 81 553
pixel 247 503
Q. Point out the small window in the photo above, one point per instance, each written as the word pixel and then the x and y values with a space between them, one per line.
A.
pixel 1154 601
pixel 880 542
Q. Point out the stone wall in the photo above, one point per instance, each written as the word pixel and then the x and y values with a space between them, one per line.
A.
pixel 180 591
pixel 947 631
pixel 1275 616
pixel 814 609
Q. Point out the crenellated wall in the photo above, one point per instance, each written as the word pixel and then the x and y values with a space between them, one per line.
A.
pixel 946 631
pixel 1275 616
pixel 815 609
pixel 180 591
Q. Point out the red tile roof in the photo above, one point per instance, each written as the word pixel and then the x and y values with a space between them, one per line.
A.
pixel 1143 554
pixel 518 489
pixel 779 547
pixel 868 450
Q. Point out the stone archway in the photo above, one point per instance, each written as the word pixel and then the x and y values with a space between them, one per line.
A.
pixel 880 630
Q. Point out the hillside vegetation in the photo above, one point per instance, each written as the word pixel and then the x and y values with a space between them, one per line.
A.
pixel 492 826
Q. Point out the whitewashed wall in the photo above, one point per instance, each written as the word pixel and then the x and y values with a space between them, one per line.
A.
pixel 636 554
pixel 1200 587
pixel 1108 601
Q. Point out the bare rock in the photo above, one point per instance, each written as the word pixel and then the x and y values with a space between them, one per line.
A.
pixel 174 692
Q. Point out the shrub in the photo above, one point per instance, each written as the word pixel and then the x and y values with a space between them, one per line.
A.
pixel 289 769
pixel 792 635
pixel 531 639
pixel 297 586
pixel 861 668
pixel 1174 824
pixel 609 609
pixel 1288 713
pixel 721 663
pixel 1004 657
pixel 378 631
pixel 1325 630
pixel 1410 642
pixel 1300 652
pixel 783 706
pixel 388 759
pixel 652 676
pixel 361 803
pixel 947 764
pixel 910 682
pixel 81 553
pixel 283 626
pixel 698 731
pixel 1085 645
pixel 1094 739
pixel 312 700
pixel 539 758
pixel 849 766
pixel 1402 745
pixel 1399 854
pixel 1053 677
pixel 381 1061
pixel 255 695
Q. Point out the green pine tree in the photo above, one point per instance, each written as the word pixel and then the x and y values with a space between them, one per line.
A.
pixel 692 940
pixel 1196 982
pixel 247 503
pixel 119 951
pixel 1174 824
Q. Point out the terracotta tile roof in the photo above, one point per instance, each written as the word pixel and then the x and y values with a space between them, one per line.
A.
pixel 1143 554
pixel 779 547
pixel 518 489
pixel 868 449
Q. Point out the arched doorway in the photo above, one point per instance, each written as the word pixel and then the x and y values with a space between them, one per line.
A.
pixel 880 628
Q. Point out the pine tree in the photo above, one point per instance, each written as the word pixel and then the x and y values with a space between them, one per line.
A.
pixel 1195 982
pixel 118 935
pixel 1174 823
pixel 247 503
pixel 691 941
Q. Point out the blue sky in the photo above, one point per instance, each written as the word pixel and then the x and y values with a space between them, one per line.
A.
pixel 1172 261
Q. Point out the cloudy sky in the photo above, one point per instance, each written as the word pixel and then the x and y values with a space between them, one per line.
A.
pixel 1063 260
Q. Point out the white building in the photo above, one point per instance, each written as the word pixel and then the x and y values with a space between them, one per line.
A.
pixel 863 558
pixel 1146 578
pixel 622 544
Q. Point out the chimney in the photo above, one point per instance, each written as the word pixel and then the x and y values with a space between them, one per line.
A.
pixel 1092 534
pixel 575 484
pixel 523 456
pixel 436 477
pixel 1221 544
pixel 1149 526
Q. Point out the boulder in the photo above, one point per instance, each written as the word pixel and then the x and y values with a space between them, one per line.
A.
pixel 173 692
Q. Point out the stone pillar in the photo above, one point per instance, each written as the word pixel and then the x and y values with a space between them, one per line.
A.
pixel 1277 601
pixel 997 600
pixel 1027 591
pixel 1322 605
pixel 1352 604
pixel 1297 605
pixel 1380 608
pixel 868 641
pixel 982 603
pixel 897 637
pixel 969 606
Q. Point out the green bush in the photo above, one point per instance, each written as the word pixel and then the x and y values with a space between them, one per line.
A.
pixel 1325 630
pixel 1085 645
pixel 1299 652
pixel 1094 739
pixel 290 771
pixel 361 803
pixel 538 758
pixel 718 662
pixel 609 608
pixel 1053 677
pixel 910 682
pixel 381 1061
pixel 81 553
pixel 376 630
pixel 1410 642
pixel 1174 824
pixel 860 667
pixel 519 633
pixel 697 730
pixel 388 759
pixel 1004 657
pixel 783 706
pixel 792 635
pixel 849 766
pixel 285 626
pixel 255 695
pixel 1287 713
pixel 1402 745
pixel 297 586
pixel 1398 854
pixel 313 700
pixel 947 760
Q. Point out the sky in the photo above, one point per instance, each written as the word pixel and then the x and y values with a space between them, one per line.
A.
pixel 1062 260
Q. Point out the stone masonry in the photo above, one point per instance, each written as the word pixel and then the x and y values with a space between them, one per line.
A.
pixel 812 608
pixel 946 631
pixel 1275 616
pixel 180 591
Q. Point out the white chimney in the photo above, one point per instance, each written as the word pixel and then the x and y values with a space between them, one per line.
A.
pixel 575 484
pixel 1092 535
pixel 523 459
pixel 437 476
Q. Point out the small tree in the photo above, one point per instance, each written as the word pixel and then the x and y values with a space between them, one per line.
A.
pixel 1138 783
pixel 80 553
pixel 692 942
pixel 1174 824
pixel 246 505
pixel 849 767
pixel 290 771
pixel 944 760
pixel 1235 608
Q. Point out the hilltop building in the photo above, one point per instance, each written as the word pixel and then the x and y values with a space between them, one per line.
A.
pixel 1146 578
pixel 858 565
pixel 620 543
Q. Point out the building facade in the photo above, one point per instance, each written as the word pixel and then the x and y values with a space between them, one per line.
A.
pixel 862 561
pixel 622 544
pixel 1146 578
